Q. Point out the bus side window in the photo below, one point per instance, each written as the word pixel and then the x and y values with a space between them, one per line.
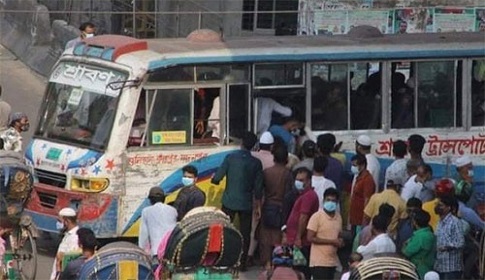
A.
pixel 170 122
pixel 206 115
pixel 478 93
pixel 402 96
pixel 366 101
pixel 329 97
pixel 137 133
pixel 435 83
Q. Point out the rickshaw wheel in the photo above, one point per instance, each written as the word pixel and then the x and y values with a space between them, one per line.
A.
pixel 25 255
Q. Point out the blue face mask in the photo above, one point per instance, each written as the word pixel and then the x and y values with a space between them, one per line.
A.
pixel 186 181
pixel 299 185
pixel 330 206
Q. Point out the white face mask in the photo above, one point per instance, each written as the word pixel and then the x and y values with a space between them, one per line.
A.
pixel 89 35
pixel 470 173
pixel 186 181
pixel 354 169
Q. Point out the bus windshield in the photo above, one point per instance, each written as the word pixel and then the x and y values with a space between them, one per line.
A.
pixel 80 105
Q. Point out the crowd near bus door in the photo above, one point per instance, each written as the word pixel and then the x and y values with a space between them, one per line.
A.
pixel 238 110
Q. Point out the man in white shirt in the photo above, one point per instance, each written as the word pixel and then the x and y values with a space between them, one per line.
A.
pixel 381 243
pixel 66 224
pixel 415 185
pixel 319 183
pixel 266 107
pixel 397 169
pixel 156 220
pixel 87 31
pixel 363 147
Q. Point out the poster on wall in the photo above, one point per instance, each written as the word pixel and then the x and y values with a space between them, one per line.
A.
pixel 413 20
pixel 377 19
pixel 451 19
pixel 331 22
pixel 480 19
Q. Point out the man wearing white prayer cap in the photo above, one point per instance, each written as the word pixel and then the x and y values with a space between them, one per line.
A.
pixel 66 224
pixel 464 167
pixel 432 275
pixel 363 147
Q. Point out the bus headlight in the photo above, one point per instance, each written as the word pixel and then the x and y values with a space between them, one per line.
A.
pixel 89 185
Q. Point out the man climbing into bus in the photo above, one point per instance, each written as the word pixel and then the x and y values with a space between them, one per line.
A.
pixel 266 107
pixel 244 184
pixel 190 196
pixel 286 132
pixel 87 31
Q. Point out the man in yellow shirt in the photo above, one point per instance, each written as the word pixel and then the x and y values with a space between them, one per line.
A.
pixel 390 196
pixel 443 187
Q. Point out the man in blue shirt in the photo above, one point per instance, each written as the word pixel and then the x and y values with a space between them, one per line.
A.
pixel 284 132
pixel 244 183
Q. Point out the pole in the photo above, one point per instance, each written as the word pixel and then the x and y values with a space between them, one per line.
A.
pixel 134 19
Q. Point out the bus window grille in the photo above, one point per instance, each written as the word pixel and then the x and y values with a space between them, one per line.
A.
pixel 47 200
pixel 51 178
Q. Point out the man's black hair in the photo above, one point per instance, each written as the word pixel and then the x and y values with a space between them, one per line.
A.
pixel 280 154
pixel 331 192
pixel 399 148
pixel 320 164
pixel 360 159
pixel 380 223
pixel 87 239
pixel 414 202
pixel 326 143
pixel 416 143
pixel 190 169
pixel 85 25
pixel 422 218
pixel 308 173
pixel 249 139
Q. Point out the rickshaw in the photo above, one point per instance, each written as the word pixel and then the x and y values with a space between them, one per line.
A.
pixel 17 229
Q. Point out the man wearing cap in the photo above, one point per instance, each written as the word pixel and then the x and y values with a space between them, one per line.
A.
pixel 397 169
pixel 66 224
pixel 362 146
pixel 390 196
pixel 308 149
pixel 264 154
pixel 12 140
pixel 156 220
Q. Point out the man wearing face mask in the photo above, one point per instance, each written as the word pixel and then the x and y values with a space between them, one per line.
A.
pixel 305 206
pixel 405 227
pixel 416 185
pixel 363 147
pixel 363 187
pixel 450 240
pixel 66 224
pixel 87 31
pixel 442 188
pixel 190 196
pixel 323 231
pixel 12 138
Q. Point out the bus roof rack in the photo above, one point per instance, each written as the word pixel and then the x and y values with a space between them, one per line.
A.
pixel 109 47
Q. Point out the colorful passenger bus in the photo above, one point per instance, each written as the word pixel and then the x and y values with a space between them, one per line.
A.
pixel 121 115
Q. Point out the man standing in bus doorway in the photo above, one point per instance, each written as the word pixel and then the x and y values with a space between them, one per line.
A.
pixel 244 184
pixel 5 110
pixel 190 196
pixel 12 139
pixel 363 146
pixel 67 225
pixel 87 31
pixel 156 220
pixel 266 107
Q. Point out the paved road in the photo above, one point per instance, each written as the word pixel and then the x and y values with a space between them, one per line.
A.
pixel 24 90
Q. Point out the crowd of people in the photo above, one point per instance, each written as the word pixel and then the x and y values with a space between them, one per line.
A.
pixel 314 204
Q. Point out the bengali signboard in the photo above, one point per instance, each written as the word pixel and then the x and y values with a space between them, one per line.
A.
pixel 330 17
